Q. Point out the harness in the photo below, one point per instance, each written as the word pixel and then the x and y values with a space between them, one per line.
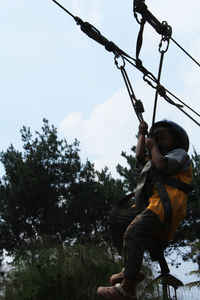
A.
pixel 159 180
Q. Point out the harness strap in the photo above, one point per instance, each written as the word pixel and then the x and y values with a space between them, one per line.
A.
pixel 176 183
pixel 139 199
pixel 159 181
pixel 164 197
pixel 140 38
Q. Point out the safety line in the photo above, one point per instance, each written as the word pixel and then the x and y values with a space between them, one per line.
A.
pixel 185 52
pixel 189 116
pixel 183 103
pixel 67 11
pixel 93 33
pixel 152 77
pixel 143 70
pixel 163 28
pixel 156 95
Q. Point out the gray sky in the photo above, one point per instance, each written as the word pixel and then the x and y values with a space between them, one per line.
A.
pixel 49 68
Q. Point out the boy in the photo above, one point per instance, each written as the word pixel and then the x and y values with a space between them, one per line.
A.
pixel 160 197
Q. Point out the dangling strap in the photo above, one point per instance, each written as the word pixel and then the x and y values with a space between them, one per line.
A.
pixel 140 38
pixel 164 197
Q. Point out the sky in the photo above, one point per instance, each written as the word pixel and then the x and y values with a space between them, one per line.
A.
pixel 50 69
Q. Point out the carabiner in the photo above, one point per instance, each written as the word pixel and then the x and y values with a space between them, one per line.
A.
pixel 165 40
pixel 123 63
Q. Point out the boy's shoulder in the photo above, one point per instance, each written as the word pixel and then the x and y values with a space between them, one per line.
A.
pixel 177 160
pixel 178 153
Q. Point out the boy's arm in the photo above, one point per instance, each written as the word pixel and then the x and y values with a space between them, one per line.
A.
pixel 140 148
pixel 158 160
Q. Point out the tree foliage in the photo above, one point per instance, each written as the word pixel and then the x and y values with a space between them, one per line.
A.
pixel 69 272
pixel 47 191
pixel 59 273
pixel 130 173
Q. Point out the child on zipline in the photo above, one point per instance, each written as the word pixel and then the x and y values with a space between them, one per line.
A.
pixel 160 204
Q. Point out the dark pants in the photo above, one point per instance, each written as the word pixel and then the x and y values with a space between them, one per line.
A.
pixel 120 221
pixel 140 236
pixel 133 232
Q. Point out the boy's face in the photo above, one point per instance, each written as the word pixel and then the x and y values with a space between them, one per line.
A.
pixel 164 139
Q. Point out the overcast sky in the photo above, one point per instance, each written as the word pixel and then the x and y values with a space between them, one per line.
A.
pixel 50 68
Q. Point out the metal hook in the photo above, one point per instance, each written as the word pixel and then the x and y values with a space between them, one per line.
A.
pixel 165 40
pixel 149 82
pixel 123 63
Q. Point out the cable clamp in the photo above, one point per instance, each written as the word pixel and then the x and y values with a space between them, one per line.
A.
pixel 139 108
pixel 161 90
pixel 141 8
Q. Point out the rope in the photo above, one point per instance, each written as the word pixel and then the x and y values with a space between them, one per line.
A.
pixel 162 53
pixel 156 95
pixel 185 52
pixel 162 91
pixel 94 33
pixel 67 11
pixel 163 29
pixel 183 103
pixel 137 104
pixel 138 65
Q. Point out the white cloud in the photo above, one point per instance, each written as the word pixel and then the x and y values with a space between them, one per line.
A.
pixel 112 125
pixel 110 129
